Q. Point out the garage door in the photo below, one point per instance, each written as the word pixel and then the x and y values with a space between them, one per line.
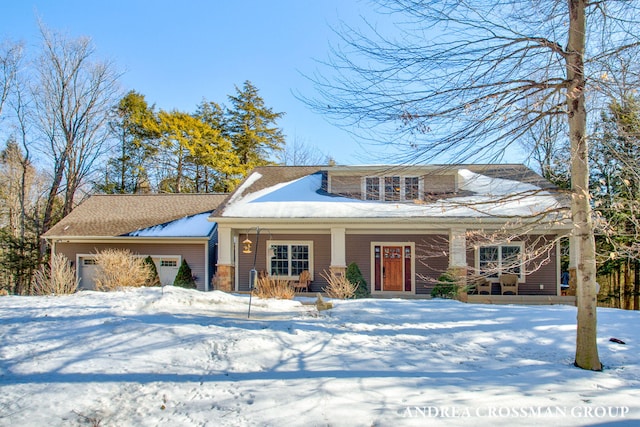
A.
pixel 167 268
pixel 86 272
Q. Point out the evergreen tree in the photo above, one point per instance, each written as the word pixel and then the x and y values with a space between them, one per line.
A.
pixel 184 278
pixel 154 278
pixel 136 129
pixel 198 158
pixel 616 189
pixel 221 172
pixel 177 130
pixel 354 275
pixel 213 114
pixel 252 128
pixel 19 223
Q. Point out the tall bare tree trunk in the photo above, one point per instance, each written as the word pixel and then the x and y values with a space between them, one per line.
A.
pixel 636 287
pixel 586 344
pixel 627 286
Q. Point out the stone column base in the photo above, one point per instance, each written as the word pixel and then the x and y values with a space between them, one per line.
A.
pixel 460 273
pixel 225 278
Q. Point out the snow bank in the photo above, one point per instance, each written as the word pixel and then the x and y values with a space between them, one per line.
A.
pixel 173 356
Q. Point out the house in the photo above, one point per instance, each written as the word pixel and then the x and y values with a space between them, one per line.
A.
pixel 402 225
pixel 168 227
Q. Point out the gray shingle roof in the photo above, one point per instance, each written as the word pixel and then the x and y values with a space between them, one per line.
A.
pixel 116 215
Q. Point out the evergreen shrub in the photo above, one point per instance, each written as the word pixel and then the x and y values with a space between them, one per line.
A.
pixel 184 278
pixel 446 287
pixel 354 275
pixel 154 278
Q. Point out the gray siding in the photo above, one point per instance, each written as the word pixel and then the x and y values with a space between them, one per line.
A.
pixel 434 184
pixel 348 186
pixel 439 184
pixel 431 255
pixel 540 271
pixel 192 253
pixel 321 257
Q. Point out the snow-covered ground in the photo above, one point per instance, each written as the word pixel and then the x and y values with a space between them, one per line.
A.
pixel 185 358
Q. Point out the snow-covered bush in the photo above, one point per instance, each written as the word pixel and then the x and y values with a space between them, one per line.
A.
pixel 119 268
pixel 339 286
pixel 57 278
pixel 274 287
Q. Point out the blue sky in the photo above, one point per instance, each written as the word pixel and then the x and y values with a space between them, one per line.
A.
pixel 178 53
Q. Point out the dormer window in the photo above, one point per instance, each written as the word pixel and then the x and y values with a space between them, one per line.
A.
pixel 372 190
pixel 392 188
pixel 412 188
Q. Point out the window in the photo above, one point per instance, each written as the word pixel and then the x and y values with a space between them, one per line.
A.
pixel 493 260
pixel 411 188
pixel 289 258
pixel 89 261
pixel 168 263
pixel 392 188
pixel 372 190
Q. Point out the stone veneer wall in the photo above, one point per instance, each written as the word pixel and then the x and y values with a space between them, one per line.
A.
pixel 225 278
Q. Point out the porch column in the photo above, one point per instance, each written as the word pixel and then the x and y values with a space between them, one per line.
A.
pixel 338 252
pixel 457 248
pixel 225 274
pixel 458 259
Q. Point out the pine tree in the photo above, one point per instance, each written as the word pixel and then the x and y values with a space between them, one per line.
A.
pixel 354 275
pixel 199 157
pixel 221 170
pixel 135 127
pixel 252 128
pixel 19 242
pixel 154 278
pixel 616 189
pixel 184 278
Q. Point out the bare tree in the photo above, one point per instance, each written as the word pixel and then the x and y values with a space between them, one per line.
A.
pixel 72 100
pixel 10 57
pixel 297 153
pixel 457 78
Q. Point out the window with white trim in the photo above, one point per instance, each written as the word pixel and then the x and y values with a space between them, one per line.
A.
pixel 168 263
pixel 497 259
pixel 411 188
pixel 372 188
pixel 289 259
pixel 392 188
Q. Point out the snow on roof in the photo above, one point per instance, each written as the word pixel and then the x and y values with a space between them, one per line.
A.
pixel 483 184
pixel 189 226
pixel 303 198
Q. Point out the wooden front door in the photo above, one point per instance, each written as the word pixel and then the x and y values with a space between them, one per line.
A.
pixel 392 268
